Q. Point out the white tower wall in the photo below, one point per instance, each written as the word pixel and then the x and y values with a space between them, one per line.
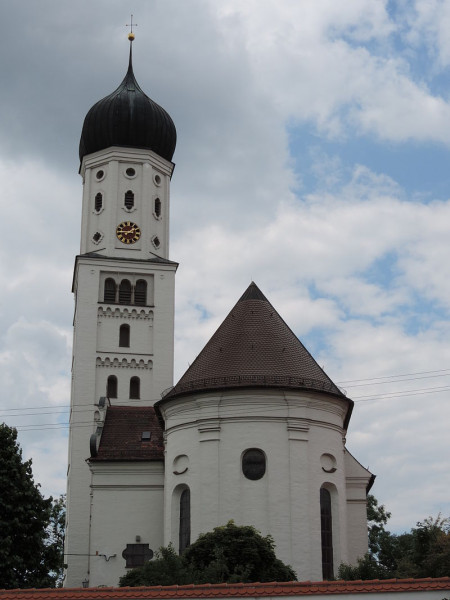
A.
pixel 96 352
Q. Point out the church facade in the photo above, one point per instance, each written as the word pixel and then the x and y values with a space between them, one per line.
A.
pixel 254 431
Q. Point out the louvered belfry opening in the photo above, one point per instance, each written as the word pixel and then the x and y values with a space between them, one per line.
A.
pixel 140 293
pixel 157 207
pixel 129 199
pixel 125 292
pixel 110 291
pixel 98 202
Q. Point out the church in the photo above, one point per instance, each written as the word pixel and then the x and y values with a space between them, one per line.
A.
pixel 254 431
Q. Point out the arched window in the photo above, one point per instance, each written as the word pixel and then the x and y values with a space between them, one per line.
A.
pixel 111 387
pixel 185 520
pixel 98 202
pixel 124 336
pixel 125 292
pixel 157 207
pixel 110 291
pixel 140 292
pixel 135 388
pixel 326 528
pixel 129 199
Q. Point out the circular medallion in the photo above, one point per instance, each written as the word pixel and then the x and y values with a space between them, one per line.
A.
pixel 128 232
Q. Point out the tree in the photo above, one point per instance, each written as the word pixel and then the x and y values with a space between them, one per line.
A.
pixel 26 557
pixel 423 552
pixel 377 517
pixel 230 553
pixel 54 540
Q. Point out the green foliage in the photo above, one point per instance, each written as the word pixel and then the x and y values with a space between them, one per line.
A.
pixel 237 553
pixel 168 568
pixel 230 553
pixel 377 517
pixel 27 556
pixel 367 568
pixel 54 541
pixel 423 552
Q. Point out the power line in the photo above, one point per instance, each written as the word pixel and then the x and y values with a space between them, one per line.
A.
pixel 369 381
pixel 235 412
pixel 374 379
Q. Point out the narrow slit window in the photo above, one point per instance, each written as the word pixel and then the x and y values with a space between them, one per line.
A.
pixel 110 291
pixel 111 387
pixel 135 388
pixel 140 293
pixel 98 203
pixel 129 199
pixel 185 520
pixel 157 207
pixel 125 292
pixel 326 527
pixel 124 336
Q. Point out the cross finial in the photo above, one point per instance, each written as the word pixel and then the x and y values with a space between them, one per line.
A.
pixel 131 25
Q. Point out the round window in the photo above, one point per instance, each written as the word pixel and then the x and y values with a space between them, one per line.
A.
pixel 100 174
pixel 254 464
pixel 130 172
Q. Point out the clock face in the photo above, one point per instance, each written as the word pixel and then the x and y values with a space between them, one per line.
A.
pixel 128 232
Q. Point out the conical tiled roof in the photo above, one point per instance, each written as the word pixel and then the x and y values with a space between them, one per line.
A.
pixel 254 348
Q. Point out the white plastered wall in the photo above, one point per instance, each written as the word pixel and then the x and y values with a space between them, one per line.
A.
pixel 297 431
pixel 127 507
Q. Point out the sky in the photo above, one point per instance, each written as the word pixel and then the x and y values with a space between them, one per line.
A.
pixel 312 158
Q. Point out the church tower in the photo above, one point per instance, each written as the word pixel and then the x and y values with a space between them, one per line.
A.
pixel 123 285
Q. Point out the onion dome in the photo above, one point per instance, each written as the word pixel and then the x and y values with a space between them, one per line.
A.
pixel 254 348
pixel 128 117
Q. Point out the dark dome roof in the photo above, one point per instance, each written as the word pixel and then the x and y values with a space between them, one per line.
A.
pixel 128 117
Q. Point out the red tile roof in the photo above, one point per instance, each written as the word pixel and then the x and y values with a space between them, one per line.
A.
pixel 122 435
pixel 233 590
pixel 254 347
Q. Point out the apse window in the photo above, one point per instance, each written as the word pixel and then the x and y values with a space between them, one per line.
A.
pixel 253 464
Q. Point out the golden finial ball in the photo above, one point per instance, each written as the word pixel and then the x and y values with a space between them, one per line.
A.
pixel 131 36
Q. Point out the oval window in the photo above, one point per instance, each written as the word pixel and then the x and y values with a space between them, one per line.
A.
pixel 254 464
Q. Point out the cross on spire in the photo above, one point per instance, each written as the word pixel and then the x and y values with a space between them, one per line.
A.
pixel 131 25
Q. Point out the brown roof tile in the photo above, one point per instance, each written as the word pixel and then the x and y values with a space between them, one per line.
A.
pixel 234 590
pixel 122 435
pixel 254 347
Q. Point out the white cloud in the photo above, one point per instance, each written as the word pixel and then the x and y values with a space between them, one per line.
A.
pixel 354 265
